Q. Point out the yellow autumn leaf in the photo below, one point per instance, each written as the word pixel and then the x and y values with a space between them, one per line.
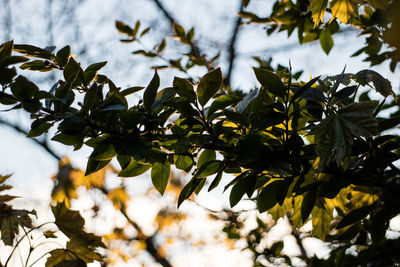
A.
pixel 317 8
pixel 344 10
pixel 321 217
pixel 279 211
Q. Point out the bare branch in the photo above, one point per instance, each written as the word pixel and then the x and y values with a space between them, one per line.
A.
pixel 171 19
pixel 232 46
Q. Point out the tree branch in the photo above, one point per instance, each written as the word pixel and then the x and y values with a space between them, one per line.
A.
pixel 231 48
pixel 164 11
pixel 300 244
pixel 195 49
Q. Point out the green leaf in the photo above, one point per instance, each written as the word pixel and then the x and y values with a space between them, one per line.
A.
pixel 11 60
pixel 96 66
pixel 206 156
pixel 321 216
pixel 7 75
pixel 381 85
pixel 73 71
pixel 236 117
pixel 123 28
pixel 183 162
pixel 326 41
pixel 71 263
pixel 32 105
pixel 308 204
pixel 39 127
pixel 379 225
pixel 209 168
pixel 220 103
pixel 58 257
pixel 23 89
pixel 354 216
pixel 188 189
pixel 387 124
pixel 160 175
pixel 90 97
pixel 133 169
pixel 242 105
pixel 103 151
pixel 50 234
pixel 6 49
pixel 268 196
pixel 68 221
pixel 131 90
pixel 151 91
pixel 245 2
pixel 67 139
pixel 270 81
pixel 209 85
pixel 95 165
pixel 144 32
pixel 184 88
pixel 344 93
pixel 32 51
pixel 71 223
pixel 163 96
pixel 245 184
pixel 10 222
pixel 62 55
pixel 84 249
pixel 216 181
pixel 179 30
pixel 336 132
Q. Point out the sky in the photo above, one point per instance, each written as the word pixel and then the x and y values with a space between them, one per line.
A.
pixel 89 27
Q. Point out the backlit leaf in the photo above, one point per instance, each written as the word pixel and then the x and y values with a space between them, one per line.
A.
pixel 321 217
pixel 209 85
pixel 206 156
pixel 268 196
pixel 133 169
pixel 344 10
pixel 270 81
pixel 151 91
pixel 184 89
pixel 160 175
pixel 326 41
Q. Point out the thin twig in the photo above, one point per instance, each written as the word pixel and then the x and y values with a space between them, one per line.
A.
pixel 194 47
pixel 232 48
pixel 164 11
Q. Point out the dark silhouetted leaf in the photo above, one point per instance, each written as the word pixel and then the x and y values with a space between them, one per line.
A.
pixel 268 196
pixel 354 216
pixel 133 169
pixel 151 91
pixel 270 81
pixel 209 85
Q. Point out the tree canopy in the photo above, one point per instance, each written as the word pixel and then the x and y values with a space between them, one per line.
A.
pixel 322 150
